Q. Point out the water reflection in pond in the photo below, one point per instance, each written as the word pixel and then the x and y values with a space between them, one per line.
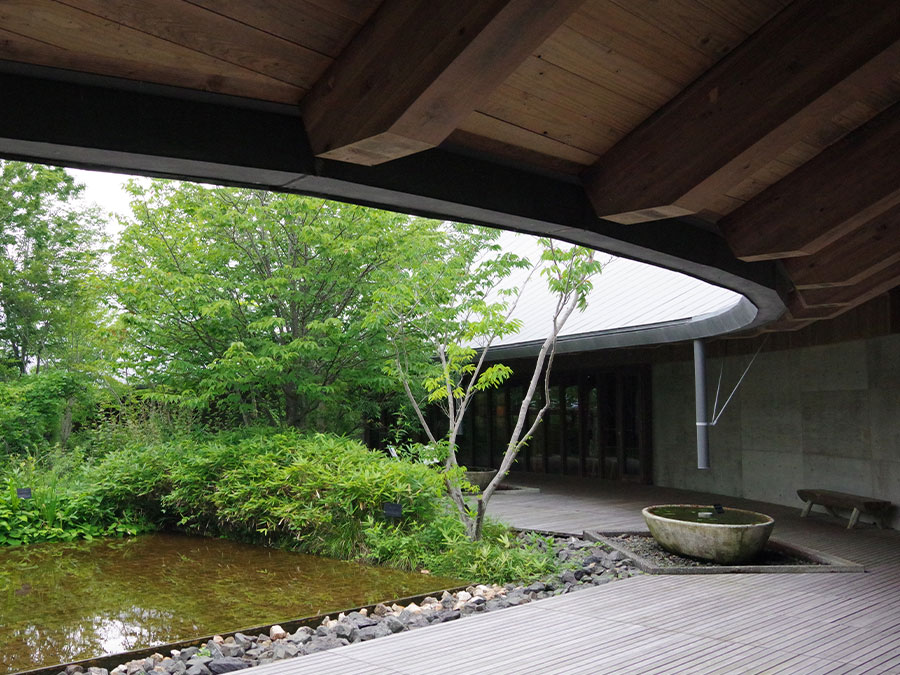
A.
pixel 62 602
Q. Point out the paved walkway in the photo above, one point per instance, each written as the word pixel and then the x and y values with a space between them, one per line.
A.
pixel 789 623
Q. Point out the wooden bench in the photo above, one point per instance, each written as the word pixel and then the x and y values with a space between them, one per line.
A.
pixel 842 500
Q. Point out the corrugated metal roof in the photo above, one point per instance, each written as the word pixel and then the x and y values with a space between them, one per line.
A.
pixel 626 294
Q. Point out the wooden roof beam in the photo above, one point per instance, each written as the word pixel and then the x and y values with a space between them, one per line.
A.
pixel 796 72
pixel 852 258
pixel 850 296
pixel 845 186
pixel 416 70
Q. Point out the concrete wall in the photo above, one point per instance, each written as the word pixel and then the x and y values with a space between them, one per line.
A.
pixel 816 417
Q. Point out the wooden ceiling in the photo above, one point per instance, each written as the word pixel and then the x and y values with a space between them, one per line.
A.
pixel 774 123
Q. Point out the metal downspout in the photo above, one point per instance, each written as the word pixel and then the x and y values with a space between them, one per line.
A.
pixel 700 401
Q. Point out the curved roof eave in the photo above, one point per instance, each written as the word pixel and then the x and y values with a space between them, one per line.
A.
pixel 738 316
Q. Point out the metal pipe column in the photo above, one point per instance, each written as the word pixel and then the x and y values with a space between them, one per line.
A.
pixel 700 401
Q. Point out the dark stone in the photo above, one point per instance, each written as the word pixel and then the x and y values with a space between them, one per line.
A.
pixel 568 577
pixel 199 660
pixel 616 556
pixel 368 633
pixel 578 574
pixel 233 649
pixel 347 631
pixel 417 621
pixel 188 653
pixel 393 623
pixel 382 630
pixel 244 641
pixel 361 621
pixel 197 669
pixel 477 600
pixel 448 615
pixel 177 667
pixel 323 631
pixel 536 587
pixel 301 636
pixel 215 650
pixel 227 664
pixel 321 644
pixel 285 650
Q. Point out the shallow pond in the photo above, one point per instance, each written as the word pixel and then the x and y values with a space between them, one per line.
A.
pixel 63 602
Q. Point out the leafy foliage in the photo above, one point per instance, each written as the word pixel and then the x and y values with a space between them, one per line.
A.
pixel 317 493
pixel 62 507
pixel 455 307
pixel 49 257
pixel 254 304
pixel 443 547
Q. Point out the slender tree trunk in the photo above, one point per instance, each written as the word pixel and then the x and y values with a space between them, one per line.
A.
pixel 519 435
pixel 65 425
pixel 291 406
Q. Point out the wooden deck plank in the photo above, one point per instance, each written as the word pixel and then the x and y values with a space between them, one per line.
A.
pixel 674 625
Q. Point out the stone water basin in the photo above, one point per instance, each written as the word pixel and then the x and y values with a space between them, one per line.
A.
pixel 729 537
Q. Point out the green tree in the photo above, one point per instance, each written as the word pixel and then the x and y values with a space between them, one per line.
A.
pixel 455 308
pixel 255 303
pixel 49 264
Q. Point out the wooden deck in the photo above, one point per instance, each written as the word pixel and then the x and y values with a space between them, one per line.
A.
pixel 789 623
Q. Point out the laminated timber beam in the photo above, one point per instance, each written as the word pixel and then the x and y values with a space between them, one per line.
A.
pixel 417 70
pixel 806 65
pixel 845 186
pixel 850 296
pixel 852 258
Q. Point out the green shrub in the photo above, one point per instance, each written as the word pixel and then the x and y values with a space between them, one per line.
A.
pixel 319 493
pixel 442 547
pixel 309 491
pixel 33 407
pixel 61 507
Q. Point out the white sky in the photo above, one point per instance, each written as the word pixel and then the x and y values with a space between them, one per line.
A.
pixel 105 189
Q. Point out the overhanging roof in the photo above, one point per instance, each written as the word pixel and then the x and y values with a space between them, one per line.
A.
pixel 630 303
pixel 751 144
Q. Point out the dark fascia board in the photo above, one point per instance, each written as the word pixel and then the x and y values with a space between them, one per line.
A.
pixel 73 120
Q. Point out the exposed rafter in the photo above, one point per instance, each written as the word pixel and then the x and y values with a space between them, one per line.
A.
pixel 850 296
pixel 847 185
pixel 417 70
pixel 851 259
pixel 804 66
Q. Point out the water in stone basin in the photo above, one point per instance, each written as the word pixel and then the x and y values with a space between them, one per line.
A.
pixel 63 602
pixel 708 514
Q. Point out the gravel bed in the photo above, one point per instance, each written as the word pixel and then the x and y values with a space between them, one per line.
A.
pixel 645 546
